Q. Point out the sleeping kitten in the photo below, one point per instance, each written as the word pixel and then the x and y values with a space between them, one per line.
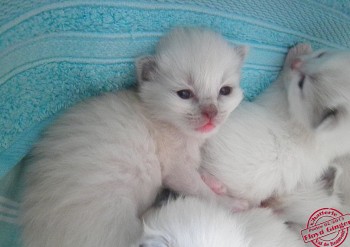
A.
pixel 289 135
pixel 191 222
pixel 100 166
pixel 296 208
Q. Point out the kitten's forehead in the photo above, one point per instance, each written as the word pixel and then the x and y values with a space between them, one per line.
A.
pixel 329 67
pixel 198 56
pixel 327 59
pixel 192 41
pixel 197 53
pixel 329 77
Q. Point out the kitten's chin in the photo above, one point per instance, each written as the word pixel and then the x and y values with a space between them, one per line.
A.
pixel 202 131
pixel 207 128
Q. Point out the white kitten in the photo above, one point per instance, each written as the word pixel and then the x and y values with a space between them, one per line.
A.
pixel 100 166
pixel 290 134
pixel 297 207
pixel 191 222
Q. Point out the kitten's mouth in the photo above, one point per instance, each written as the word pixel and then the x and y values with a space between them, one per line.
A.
pixel 206 127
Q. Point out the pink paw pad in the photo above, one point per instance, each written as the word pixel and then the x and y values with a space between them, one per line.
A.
pixel 295 52
pixel 214 184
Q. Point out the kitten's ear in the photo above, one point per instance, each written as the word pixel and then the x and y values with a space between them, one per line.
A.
pixel 241 51
pixel 146 68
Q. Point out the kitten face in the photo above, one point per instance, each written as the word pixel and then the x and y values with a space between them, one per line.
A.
pixel 193 80
pixel 319 89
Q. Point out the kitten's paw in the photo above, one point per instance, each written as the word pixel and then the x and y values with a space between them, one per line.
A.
pixel 295 52
pixel 214 184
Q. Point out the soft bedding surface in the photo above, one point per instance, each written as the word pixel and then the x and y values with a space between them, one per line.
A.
pixel 56 53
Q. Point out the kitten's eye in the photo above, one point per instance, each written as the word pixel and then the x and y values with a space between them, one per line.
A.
pixel 185 94
pixel 301 82
pixel 321 54
pixel 225 90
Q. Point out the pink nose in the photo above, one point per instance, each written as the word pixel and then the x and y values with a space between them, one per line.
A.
pixel 210 111
pixel 296 64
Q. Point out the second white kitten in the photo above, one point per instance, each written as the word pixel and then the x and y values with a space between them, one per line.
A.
pixel 290 134
pixel 191 222
pixel 297 207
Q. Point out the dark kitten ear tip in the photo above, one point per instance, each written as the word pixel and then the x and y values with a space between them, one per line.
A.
pixel 145 66
pixel 144 59
pixel 245 48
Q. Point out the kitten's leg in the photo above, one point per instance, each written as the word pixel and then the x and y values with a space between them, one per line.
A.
pixel 214 184
pixel 188 181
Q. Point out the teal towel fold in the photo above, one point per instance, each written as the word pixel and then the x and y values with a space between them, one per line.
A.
pixel 56 53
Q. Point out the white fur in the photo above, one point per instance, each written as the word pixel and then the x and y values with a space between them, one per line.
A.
pixel 297 207
pixel 342 185
pixel 100 166
pixel 269 146
pixel 190 222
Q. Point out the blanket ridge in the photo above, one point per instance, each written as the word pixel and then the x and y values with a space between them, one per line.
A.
pixel 58 52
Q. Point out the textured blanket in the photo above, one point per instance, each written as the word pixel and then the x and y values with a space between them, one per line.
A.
pixel 56 53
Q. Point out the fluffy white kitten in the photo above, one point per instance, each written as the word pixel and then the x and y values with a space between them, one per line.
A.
pixel 100 166
pixel 191 222
pixel 296 208
pixel 290 134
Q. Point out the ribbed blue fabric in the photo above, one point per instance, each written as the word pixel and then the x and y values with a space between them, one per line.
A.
pixel 56 53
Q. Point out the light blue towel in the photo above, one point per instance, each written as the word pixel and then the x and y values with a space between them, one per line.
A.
pixel 55 53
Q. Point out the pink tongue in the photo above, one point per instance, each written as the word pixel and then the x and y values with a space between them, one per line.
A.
pixel 207 128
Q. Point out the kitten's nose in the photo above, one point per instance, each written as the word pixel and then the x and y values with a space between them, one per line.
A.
pixel 210 111
pixel 296 64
